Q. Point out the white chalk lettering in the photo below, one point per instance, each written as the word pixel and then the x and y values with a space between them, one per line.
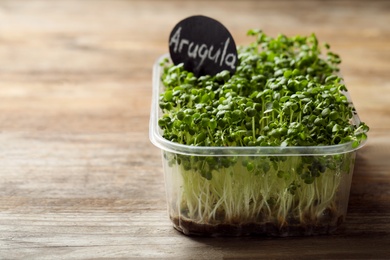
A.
pixel 182 42
pixel 224 51
pixel 175 39
pixel 192 53
pixel 231 60
pixel 216 55
pixel 202 51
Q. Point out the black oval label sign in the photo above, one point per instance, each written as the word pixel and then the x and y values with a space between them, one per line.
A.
pixel 204 45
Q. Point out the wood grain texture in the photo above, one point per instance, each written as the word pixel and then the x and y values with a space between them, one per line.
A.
pixel 79 178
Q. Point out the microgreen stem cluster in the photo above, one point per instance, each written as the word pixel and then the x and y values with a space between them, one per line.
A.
pixel 271 190
pixel 285 92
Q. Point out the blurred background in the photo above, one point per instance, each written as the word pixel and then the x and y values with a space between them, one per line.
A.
pixel 111 45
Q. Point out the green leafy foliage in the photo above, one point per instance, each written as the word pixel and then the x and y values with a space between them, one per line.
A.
pixel 282 94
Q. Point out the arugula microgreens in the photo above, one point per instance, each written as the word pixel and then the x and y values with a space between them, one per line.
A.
pixel 283 93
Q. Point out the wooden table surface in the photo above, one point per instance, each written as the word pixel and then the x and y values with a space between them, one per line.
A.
pixel 79 177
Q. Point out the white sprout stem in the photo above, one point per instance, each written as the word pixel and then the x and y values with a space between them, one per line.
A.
pixel 236 195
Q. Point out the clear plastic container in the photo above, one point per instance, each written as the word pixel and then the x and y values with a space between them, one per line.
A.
pixel 239 191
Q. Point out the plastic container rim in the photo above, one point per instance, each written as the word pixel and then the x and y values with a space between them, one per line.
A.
pixel 158 140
